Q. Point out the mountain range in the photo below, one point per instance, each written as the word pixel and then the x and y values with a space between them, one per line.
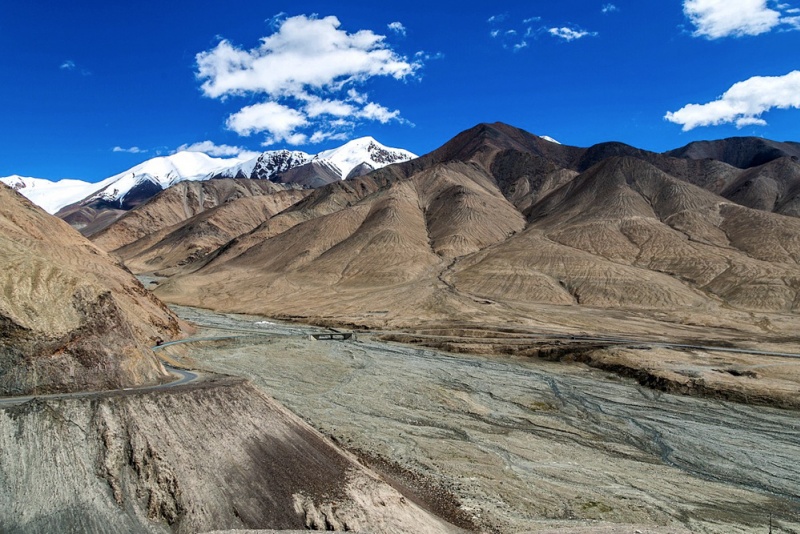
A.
pixel 92 206
pixel 498 234
pixel 496 226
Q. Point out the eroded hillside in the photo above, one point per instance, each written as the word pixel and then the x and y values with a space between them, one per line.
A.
pixel 71 317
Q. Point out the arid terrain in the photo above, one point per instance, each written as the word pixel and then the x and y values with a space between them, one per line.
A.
pixel 546 339
pixel 502 231
pixel 218 454
pixel 71 317
pixel 97 434
pixel 524 444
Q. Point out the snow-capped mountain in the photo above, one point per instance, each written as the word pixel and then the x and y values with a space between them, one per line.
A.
pixel 154 175
pixel 365 150
pixel 135 185
pixel 274 162
pixel 50 196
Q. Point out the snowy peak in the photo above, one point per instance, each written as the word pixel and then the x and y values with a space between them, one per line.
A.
pixel 17 182
pixel 160 173
pixel 274 162
pixel 364 150
pixel 47 194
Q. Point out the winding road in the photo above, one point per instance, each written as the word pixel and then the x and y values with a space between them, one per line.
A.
pixel 183 377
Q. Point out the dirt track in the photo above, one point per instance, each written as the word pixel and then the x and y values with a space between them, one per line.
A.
pixel 527 445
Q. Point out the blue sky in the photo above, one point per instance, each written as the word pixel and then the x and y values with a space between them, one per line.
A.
pixel 89 89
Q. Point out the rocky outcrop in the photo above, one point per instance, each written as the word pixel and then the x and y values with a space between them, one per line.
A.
pixel 215 455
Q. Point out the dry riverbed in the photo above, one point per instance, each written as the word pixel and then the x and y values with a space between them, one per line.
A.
pixel 521 444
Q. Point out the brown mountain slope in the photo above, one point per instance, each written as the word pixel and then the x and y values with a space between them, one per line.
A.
pixel 311 174
pixel 71 319
pixel 318 203
pixel 386 249
pixel 189 242
pixel 498 223
pixel 630 213
pixel 526 167
pixel 176 204
pixel 774 186
pixel 196 459
pixel 623 235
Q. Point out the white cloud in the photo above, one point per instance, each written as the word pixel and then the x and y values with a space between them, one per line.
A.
pixel 213 149
pixel 742 104
pixel 511 38
pixel 397 27
pixel 714 19
pixel 67 65
pixel 305 53
pixel 568 34
pixel 307 70
pixel 609 8
pixel 279 121
pixel 519 37
pixel 332 135
pixel 131 150
pixel 376 112
pixel 316 106
pixel 425 56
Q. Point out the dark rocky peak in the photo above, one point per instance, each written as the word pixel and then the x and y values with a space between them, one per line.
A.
pixel 742 152
pixel 273 163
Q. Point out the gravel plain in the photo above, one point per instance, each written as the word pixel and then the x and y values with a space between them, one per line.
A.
pixel 526 445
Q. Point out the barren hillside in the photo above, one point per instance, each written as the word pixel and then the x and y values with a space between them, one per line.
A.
pixel 498 223
pixel 71 318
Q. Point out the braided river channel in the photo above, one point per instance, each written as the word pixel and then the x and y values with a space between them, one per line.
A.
pixel 522 444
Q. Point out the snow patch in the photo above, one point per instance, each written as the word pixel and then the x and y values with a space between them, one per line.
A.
pixel 548 138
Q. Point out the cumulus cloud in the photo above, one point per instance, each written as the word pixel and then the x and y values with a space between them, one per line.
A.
pixel 609 8
pixel 742 104
pixel 570 34
pixel 212 149
pixel 397 27
pixel 278 121
pixel 307 71
pixel 715 19
pixel 131 150
pixel 67 65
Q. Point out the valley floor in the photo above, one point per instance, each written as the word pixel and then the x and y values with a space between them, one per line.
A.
pixel 519 444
